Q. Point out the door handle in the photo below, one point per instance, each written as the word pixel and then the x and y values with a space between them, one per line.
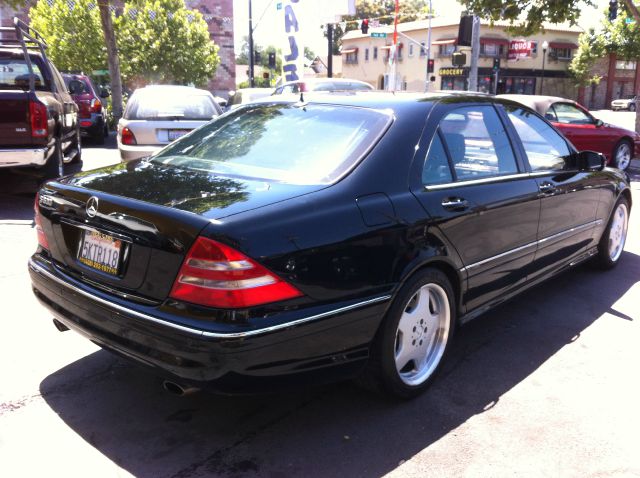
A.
pixel 547 188
pixel 455 204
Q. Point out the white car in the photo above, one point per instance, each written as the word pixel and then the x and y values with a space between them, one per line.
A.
pixel 159 114
pixel 626 103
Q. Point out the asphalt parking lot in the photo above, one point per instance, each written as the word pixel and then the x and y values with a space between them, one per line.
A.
pixel 545 385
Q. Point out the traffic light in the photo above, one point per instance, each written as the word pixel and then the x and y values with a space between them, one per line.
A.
pixel 465 30
pixel 458 59
pixel 430 65
pixel 256 56
pixel 496 64
pixel 364 26
pixel 613 10
pixel 272 60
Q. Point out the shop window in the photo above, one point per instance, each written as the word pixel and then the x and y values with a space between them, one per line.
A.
pixel 366 54
pixel 410 49
pixel 625 65
pixel 375 52
pixel 446 50
pixel 560 53
pixel 489 49
pixel 351 58
pixel 423 49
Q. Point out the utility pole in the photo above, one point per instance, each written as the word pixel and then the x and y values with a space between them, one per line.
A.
pixel 330 50
pixel 475 53
pixel 252 82
pixel 426 84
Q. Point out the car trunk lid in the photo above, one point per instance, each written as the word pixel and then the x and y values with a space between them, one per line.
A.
pixel 148 132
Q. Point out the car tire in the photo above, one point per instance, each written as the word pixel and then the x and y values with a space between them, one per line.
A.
pixel 614 236
pixel 622 154
pixel 632 107
pixel 98 138
pixel 54 167
pixel 78 146
pixel 414 336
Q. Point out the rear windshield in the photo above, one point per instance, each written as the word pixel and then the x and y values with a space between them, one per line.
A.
pixel 171 105
pixel 80 85
pixel 314 144
pixel 14 73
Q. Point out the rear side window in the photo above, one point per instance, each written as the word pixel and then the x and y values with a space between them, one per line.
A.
pixel 14 73
pixel 545 148
pixel 436 168
pixel 477 143
pixel 314 144
pixel 171 105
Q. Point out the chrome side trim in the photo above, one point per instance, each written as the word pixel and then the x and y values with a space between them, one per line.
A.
pixel 199 332
pixel 472 182
pixel 534 243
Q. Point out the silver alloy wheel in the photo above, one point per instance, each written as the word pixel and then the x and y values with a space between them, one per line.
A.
pixel 422 334
pixel 618 231
pixel 623 155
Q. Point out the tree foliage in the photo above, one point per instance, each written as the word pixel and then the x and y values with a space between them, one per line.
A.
pixel 527 16
pixel 165 42
pixel 381 10
pixel 73 33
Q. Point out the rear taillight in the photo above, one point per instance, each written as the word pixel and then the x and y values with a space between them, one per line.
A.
pixel 127 137
pixel 39 120
pixel 96 106
pixel 217 275
pixel 42 239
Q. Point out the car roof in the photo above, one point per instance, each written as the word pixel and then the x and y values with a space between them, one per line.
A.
pixel 325 80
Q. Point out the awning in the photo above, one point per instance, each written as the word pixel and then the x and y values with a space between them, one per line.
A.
pixel 350 50
pixel 445 41
pixel 496 41
pixel 559 44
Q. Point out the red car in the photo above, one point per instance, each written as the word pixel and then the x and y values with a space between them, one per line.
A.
pixel 618 145
pixel 91 106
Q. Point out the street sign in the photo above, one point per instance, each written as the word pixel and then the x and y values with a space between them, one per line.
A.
pixel 100 72
pixel 378 35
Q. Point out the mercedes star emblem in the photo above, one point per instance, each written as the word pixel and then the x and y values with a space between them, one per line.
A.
pixel 92 206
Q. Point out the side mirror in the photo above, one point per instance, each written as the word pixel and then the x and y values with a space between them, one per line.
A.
pixel 590 161
pixel 104 93
pixel 599 123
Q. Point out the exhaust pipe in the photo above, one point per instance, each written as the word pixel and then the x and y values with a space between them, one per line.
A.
pixel 60 326
pixel 179 390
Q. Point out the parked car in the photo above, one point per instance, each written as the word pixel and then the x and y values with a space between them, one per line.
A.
pixel 38 118
pixel 290 243
pixel 618 145
pixel 159 114
pixel 626 103
pixel 92 113
pixel 245 96
pixel 322 84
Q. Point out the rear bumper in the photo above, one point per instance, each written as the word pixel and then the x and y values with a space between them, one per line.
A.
pixel 14 158
pixel 319 345
pixel 92 126
pixel 129 153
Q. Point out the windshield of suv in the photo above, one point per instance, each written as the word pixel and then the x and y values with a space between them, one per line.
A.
pixel 174 104
pixel 313 144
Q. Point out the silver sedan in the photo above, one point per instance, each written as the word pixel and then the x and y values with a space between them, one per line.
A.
pixel 157 115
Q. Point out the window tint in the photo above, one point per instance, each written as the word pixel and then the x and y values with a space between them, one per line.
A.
pixel 545 148
pixel 14 73
pixel 478 143
pixel 569 114
pixel 282 143
pixel 436 168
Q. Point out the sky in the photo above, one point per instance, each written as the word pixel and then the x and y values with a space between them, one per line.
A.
pixel 267 20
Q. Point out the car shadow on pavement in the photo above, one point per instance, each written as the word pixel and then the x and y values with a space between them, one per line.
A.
pixel 336 430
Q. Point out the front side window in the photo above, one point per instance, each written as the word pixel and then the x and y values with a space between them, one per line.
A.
pixel 314 144
pixel 545 148
pixel 477 143
pixel 569 114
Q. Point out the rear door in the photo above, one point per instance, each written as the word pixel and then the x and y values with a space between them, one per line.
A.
pixel 473 186
pixel 569 198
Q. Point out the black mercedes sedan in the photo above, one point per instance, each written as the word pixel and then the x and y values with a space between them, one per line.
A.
pixel 321 238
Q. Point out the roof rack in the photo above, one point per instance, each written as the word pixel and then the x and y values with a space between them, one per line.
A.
pixel 26 38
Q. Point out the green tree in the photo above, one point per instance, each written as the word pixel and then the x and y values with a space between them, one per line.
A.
pixel 164 41
pixel 72 32
pixel 381 10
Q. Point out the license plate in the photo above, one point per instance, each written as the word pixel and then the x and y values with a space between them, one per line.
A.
pixel 100 251
pixel 177 133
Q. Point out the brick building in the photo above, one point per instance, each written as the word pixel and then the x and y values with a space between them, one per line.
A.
pixel 219 17
pixel 619 78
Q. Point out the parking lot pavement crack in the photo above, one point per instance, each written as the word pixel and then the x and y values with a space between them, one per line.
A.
pixel 216 460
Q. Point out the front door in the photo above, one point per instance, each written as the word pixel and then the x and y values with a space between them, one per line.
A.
pixel 474 189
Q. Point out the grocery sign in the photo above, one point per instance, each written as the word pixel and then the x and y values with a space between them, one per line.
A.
pixel 520 49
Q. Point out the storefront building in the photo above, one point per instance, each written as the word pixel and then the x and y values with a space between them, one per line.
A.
pixel 507 64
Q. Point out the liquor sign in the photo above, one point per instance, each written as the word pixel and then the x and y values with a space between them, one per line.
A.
pixel 520 49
